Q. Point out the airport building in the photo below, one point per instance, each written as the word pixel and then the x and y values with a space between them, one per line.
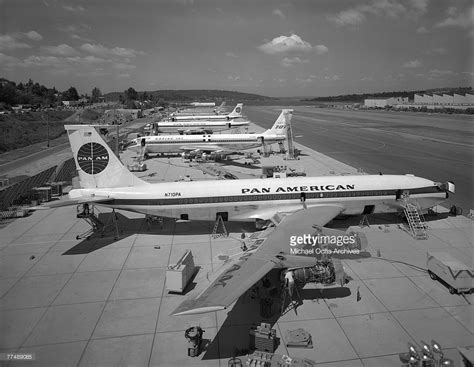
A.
pixel 445 99
pixel 429 100
pixel 383 102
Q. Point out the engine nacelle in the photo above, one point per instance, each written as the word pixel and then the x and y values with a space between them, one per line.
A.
pixel 322 272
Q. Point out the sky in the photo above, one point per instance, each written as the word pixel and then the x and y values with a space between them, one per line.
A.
pixel 278 48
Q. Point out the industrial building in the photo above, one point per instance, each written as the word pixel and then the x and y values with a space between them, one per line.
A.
pixel 444 99
pixel 428 100
pixel 383 102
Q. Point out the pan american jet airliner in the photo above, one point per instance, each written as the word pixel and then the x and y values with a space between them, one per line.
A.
pixel 301 200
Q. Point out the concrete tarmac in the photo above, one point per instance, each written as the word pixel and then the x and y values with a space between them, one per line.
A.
pixel 434 146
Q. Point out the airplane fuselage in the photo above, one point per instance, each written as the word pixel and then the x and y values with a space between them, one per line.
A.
pixel 246 200
pixel 205 142
pixel 205 117
pixel 175 126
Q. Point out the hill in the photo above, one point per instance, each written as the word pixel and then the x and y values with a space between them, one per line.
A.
pixel 190 95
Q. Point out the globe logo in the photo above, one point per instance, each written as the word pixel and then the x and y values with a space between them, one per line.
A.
pixel 237 109
pixel 92 158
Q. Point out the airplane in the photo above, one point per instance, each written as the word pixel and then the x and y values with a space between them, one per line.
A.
pixel 203 104
pixel 235 114
pixel 215 143
pixel 199 111
pixel 199 126
pixel 105 181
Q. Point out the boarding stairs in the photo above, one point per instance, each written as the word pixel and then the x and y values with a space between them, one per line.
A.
pixel 142 155
pixel 86 212
pixel 219 229
pixel 415 220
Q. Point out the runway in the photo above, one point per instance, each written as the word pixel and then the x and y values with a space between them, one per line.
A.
pixel 434 146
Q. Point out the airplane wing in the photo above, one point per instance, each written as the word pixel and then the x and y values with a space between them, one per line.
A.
pixel 244 272
pixel 69 202
pixel 204 148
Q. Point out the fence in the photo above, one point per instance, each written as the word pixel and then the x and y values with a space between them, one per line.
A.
pixel 19 191
pixel 65 172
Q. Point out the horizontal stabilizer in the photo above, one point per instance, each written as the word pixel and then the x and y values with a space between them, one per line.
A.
pixel 70 202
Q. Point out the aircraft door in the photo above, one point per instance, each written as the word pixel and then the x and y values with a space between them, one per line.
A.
pixel 368 209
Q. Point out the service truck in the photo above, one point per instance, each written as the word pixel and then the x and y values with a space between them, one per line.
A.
pixel 458 276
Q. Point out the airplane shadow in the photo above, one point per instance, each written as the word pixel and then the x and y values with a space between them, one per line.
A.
pixel 345 221
pixel 240 165
pixel 131 226
pixel 233 338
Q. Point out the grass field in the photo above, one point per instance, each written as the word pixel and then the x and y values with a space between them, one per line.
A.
pixel 19 130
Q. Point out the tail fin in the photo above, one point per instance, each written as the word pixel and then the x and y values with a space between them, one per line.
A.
pixel 96 163
pixel 237 111
pixel 281 123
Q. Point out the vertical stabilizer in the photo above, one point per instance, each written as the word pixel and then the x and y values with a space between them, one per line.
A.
pixel 281 123
pixel 237 111
pixel 96 163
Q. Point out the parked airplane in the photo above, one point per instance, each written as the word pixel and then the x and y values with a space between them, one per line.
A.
pixel 106 181
pixel 220 143
pixel 198 126
pixel 235 114
pixel 200 111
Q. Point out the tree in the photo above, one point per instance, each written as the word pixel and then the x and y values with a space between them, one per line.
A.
pixel 70 95
pixel 131 94
pixel 144 96
pixel 96 94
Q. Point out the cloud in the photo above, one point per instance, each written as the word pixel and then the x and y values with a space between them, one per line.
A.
pixel 412 64
pixel 420 5
pixel 99 50
pixel 456 18
pixel 347 17
pixel 332 77
pixel 10 42
pixel 290 61
pixel 61 50
pixel 422 30
pixel 284 44
pixel 321 49
pixel 381 8
pixel 74 9
pixel 231 54
pixel 279 13
pixel 33 35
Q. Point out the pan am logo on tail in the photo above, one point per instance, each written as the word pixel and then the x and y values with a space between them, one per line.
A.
pixel 237 109
pixel 92 158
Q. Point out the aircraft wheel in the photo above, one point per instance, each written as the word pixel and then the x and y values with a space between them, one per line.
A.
pixel 77 237
pixel 452 290
pixel 432 275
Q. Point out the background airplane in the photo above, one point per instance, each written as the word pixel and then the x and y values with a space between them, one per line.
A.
pixel 236 113
pixel 198 126
pixel 217 143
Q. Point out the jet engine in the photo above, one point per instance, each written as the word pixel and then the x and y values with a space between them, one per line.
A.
pixel 322 272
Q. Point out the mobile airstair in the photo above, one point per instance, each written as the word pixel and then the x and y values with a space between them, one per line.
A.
pixel 415 220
